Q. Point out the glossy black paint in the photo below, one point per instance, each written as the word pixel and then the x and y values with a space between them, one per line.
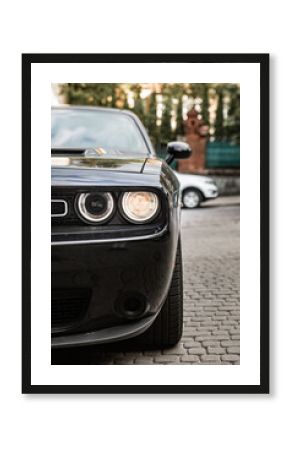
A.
pixel 117 263
pixel 177 150
pixel 140 269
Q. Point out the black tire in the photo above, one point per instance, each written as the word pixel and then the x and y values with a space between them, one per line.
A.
pixel 197 197
pixel 166 331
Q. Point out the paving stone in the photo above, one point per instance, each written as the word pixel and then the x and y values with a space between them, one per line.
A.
pixel 216 350
pixel 230 343
pixel 166 358
pixel 235 350
pixel 231 358
pixel 210 358
pixel 219 333
pixel 190 358
pixel 143 360
pixel 236 337
pixel 177 350
pixel 196 351
pixel 210 337
pixel 191 344
pixel 211 343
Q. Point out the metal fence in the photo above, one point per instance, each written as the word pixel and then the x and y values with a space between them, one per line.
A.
pixel 222 155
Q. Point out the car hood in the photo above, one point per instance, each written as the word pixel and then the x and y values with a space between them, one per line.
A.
pixel 119 164
pixel 103 171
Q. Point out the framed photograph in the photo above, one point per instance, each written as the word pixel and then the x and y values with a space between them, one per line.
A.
pixel 145 223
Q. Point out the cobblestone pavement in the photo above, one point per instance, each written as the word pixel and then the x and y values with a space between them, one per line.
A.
pixel 211 256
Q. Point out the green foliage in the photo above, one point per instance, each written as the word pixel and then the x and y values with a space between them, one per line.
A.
pixel 151 121
pixel 95 94
pixel 125 104
pixel 225 96
pixel 205 104
pixel 179 119
pixel 195 90
pixel 165 129
pixel 233 121
pixel 219 120
pixel 139 107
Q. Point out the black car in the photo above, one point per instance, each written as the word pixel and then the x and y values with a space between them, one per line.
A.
pixel 115 231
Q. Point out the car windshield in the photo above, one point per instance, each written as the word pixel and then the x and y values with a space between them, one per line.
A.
pixel 113 132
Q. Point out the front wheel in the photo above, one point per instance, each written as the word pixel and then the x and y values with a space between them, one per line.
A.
pixel 191 198
pixel 166 331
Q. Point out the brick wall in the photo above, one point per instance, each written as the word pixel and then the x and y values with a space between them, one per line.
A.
pixel 196 134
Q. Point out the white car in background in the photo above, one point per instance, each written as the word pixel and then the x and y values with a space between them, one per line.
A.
pixel 196 189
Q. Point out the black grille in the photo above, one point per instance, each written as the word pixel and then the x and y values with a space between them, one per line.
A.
pixel 68 306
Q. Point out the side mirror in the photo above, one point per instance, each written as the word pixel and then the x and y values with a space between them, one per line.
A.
pixel 177 150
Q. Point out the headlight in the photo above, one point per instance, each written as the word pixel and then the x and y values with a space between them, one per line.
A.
pixel 140 206
pixel 95 207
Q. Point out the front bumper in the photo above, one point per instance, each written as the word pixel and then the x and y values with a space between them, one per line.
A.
pixel 210 192
pixel 104 336
pixel 111 273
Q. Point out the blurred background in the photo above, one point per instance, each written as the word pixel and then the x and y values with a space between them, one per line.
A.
pixel 206 115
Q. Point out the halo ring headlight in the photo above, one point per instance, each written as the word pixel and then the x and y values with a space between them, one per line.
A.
pixel 140 206
pixel 95 207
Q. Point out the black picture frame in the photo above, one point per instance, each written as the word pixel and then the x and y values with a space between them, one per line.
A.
pixel 27 61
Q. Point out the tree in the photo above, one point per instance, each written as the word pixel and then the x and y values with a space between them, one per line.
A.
pixel 138 102
pixel 195 90
pixel 139 108
pixel 233 120
pixel 219 120
pixel 205 104
pixel 179 119
pixel 126 104
pixel 165 129
pixel 151 120
pixel 113 95
pixel 98 94
pixel 227 126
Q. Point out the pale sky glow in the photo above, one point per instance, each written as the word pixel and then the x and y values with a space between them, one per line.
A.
pixel 54 98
